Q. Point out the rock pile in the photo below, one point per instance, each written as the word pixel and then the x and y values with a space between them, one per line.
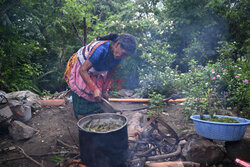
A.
pixel 16 108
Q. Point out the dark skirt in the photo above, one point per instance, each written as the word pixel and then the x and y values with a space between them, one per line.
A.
pixel 84 107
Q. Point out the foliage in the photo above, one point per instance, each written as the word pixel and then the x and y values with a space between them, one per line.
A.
pixel 203 89
pixel 215 86
pixel 236 76
pixel 156 104
pixel 56 159
pixel 196 30
pixel 37 39
pixel 239 27
pixel 137 18
pixel 149 67
pixel 166 82
pixel 45 93
pixel 237 85
pixel 223 119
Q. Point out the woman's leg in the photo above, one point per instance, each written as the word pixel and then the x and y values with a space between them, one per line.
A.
pixel 83 107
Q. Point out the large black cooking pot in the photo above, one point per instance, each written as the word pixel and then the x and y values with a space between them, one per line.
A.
pixel 103 149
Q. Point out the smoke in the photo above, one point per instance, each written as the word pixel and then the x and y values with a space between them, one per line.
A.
pixel 198 40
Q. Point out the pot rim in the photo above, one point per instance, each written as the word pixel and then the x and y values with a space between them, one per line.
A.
pixel 242 121
pixel 114 130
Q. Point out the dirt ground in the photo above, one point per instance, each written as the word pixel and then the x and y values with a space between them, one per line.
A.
pixel 56 124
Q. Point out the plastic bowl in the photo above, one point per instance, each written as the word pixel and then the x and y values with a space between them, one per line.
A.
pixel 220 130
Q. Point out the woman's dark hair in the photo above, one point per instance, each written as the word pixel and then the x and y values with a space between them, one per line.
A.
pixel 112 36
pixel 127 41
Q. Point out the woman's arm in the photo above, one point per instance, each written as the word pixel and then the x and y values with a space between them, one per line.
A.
pixel 108 79
pixel 86 78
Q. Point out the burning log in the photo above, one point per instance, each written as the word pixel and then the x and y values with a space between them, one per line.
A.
pixel 150 150
pixel 154 143
pixel 171 131
pixel 164 156
pixel 160 157
pixel 134 127
pixel 163 135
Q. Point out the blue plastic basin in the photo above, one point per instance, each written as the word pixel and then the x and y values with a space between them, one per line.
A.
pixel 220 130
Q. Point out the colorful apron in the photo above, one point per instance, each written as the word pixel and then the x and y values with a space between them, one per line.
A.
pixel 73 77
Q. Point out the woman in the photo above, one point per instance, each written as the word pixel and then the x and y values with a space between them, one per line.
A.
pixel 90 68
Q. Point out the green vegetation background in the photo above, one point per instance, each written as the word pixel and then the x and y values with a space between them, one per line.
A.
pixel 37 39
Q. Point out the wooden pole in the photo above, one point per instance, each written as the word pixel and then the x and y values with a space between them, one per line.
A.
pixel 76 31
pixel 142 100
pixel 85 31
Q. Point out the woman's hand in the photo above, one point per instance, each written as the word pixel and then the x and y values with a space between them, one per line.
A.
pixel 86 78
pixel 97 95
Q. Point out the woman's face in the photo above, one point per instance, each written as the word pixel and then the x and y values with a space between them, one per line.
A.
pixel 118 52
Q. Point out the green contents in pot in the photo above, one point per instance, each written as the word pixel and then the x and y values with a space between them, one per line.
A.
pixel 217 119
pixel 100 127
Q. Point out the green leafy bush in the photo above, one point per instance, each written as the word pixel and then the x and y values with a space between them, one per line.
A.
pixel 166 82
pixel 203 89
pixel 237 88
pixel 156 75
pixel 234 58
pixel 215 86
pixel 156 104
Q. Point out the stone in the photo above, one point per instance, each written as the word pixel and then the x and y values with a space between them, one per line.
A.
pixel 5 118
pixel 125 93
pixel 20 131
pixel 2 92
pixel 5 114
pixel 21 112
pixel 136 95
pixel 203 151
pixel 182 143
pixel 26 97
pixel 239 149
pixel 186 134
pixel 134 123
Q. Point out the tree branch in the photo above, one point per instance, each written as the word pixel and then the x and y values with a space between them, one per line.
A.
pixel 28 157
pixel 65 144
pixel 41 155
pixel 78 35
pixel 73 139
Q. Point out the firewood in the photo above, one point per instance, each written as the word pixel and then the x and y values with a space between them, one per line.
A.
pixel 164 156
pixel 28 157
pixel 142 100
